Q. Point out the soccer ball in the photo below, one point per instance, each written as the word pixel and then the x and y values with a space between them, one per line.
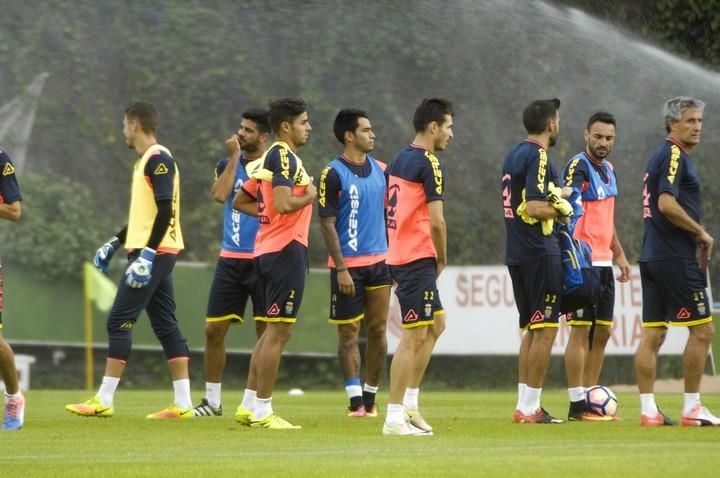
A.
pixel 602 400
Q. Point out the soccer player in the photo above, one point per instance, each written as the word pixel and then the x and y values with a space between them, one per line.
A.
pixel 284 194
pixel 592 178
pixel 532 253
pixel 673 279
pixel 417 254
pixel 352 213
pixel 154 239
pixel 10 210
pixel 235 278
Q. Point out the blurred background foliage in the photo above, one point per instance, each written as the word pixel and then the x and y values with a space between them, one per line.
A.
pixel 202 62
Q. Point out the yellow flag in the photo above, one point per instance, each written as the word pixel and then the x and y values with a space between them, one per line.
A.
pixel 99 288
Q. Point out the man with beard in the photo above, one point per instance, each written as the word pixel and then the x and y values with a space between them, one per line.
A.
pixel 352 213
pixel 532 254
pixel 592 178
pixel 235 277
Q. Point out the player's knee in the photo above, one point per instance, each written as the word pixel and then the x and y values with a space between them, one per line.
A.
pixel 704 333
pixel 215 333
pixel 579 334
pixel 348 333
pixel 278 333
pixel 377 328
pixel 602 334
pixel 415 337
pixel 653 337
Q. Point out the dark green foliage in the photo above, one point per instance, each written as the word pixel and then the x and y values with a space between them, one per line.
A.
pixel 61 227
pixel 688 27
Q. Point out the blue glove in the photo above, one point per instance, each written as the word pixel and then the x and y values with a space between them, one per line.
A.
pixel 105 253
pixel 139 273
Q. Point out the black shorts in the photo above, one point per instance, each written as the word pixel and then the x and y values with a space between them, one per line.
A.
pixel 345 309
pixel 604 311
pixel 281 282
pixel 673 291
pixel 537 286
pixel 235 281
pixel 417 292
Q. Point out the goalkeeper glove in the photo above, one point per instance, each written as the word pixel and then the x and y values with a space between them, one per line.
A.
pixel 139 273
pixel 105 253
pixel 556 201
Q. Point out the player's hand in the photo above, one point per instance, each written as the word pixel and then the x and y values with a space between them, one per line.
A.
pixel 439 267
pixel 105 254
pixel 233 146
pixel 310 191
pixel 705 244
pixel 624 266
pixel 559 204
pixel 139 273
pixel 346 283
pixel 566 192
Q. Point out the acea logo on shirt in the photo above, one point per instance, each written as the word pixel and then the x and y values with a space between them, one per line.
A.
pixel 322 193
pixel 541 170
pixel 354 195
pixel 437 172
pixel 674 157
pixel 235 219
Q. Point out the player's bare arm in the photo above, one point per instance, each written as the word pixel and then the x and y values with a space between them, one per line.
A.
pixel 11 212
pixel 671 209
pixel 286 203
pixel 620 259
pixel 245 203
pixel 332 242
pixel 541 210
pixel 223 185
pixel 438 232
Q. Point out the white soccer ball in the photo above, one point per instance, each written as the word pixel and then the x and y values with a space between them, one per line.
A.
pixel 602 400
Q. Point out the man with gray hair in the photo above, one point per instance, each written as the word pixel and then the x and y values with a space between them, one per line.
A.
pixel 673 262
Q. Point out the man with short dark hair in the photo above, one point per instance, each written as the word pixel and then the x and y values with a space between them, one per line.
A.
pixel 284 194
pixel 531 251
pixel 352 214
pixel 592 179
pixel 10 210
pixel 235 278
pixel 417 254
pixel 154 239
pixel 673 279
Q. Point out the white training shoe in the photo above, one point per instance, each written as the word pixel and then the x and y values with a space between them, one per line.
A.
pixel 404 429
pixel 699 416
pixel 416 419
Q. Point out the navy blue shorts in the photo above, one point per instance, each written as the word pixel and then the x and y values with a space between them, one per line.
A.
pixel 345 309
pixel 158 300
pixel 417 292
pixel 281 282
pixel 604 311
pixel 673 292
pixel 234 282
pixel 537 286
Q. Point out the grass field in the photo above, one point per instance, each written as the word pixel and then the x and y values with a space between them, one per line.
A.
pixel 474 436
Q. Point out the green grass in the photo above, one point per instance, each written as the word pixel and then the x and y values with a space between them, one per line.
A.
pixel 473 437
